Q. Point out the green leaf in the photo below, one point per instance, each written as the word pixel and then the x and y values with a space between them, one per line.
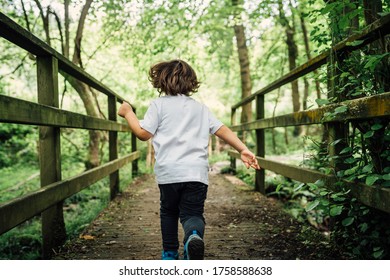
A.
pixel 382 14
pixel 310 206
pixel 368 134
pixel 319 183
pixel 341 109
pixel 368 168
pixel 370 180
pixel 346 150
pixel 350 171
pixel 312 186
pixel 348 221
pixel 363 227
pixel 278 188
pixel 323 193
pixel 334 143
pixel 336 210
pixel 386 177
pixel 378 254
pixel 299 187
pixel 355 43
pixel 321 102
pixel 386 184
pixel 350 160
pixel 376 126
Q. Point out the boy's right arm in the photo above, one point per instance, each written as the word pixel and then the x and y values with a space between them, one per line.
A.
pixel 227 135
pixel 126 111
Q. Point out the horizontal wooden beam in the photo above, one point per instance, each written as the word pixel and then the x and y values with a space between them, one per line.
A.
pixel 18 210
pixel 15 110
pixel 372 196
pixel 21 37
pixel 362 108
pixel 372 32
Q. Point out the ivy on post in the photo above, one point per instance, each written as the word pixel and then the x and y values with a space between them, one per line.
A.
pixel 53 226
pixel 337 132
pixel 134 169
pixel 260 144
pixel 113 146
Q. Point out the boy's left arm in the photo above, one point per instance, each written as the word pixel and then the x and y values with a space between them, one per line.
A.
pixel 126 111
pixel 231 138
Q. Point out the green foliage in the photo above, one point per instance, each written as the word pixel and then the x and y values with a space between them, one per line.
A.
pixel 22 243
pixel 17 143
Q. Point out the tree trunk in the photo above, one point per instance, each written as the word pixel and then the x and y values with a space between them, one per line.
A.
pixel 292 57
pixel 246 84
pixel 91 109
pixel 308 55
pixel 378 143
pixel 86 95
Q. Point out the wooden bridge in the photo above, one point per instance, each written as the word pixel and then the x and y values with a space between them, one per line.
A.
pixel 240 225
pixel 124 230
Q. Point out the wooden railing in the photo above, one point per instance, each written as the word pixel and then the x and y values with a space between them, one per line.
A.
pixel 48 200
pixel 377 106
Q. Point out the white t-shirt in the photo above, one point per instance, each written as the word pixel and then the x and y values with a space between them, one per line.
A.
pixel 180 127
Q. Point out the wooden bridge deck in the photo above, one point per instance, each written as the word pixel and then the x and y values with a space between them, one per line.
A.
pixel 241 224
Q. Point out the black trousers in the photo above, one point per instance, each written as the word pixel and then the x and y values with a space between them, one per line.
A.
pixel 184 202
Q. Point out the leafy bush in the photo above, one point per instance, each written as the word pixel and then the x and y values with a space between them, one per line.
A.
pixel 17 142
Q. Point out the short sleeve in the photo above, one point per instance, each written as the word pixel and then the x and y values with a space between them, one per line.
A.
pixel 214 123
pixel 151 119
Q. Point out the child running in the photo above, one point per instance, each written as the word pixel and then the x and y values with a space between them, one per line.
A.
pixel 180 128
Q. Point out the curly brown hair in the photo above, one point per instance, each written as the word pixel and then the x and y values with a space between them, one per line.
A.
pixel 174 77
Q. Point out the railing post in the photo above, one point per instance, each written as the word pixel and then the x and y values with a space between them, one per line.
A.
pixel 113 146
pixel 335 130
pixel 260 145
pixel 53 226
pixel 233 163
pixel 134 169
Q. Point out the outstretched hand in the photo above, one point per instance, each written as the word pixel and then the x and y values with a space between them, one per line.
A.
pixel 124 109
pixel 249 159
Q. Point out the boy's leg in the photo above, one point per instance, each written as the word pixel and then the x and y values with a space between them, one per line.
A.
pixel 191 210
pixel 169 215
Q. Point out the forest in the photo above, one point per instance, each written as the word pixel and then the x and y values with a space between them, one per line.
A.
pixel 236 47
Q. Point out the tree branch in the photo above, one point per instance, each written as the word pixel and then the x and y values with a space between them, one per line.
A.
pixel 45 20
pixel 59 29
pixel 79 34
pixel 25 16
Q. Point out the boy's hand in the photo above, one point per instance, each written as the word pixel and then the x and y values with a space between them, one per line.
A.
pixel 249 159
pixel 124 109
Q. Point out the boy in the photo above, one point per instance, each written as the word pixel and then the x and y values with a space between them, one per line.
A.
pixel 180 127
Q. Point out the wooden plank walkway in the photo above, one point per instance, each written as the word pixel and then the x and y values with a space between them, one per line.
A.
pixel 241 224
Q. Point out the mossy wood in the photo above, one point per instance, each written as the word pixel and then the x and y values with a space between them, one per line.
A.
pixel 362 108
pixel 376 106
pixel 21 37
pixel 20 209
pixel 371 33
pixel 372 196
pixel 48 201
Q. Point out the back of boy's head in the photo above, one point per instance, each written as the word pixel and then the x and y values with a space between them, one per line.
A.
pixel 174 77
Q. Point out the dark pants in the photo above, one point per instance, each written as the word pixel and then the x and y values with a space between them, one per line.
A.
pixel 184 201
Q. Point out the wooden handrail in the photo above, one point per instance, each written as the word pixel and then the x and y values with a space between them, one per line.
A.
pixel 21 37
pixel 362 108
pixel 14 110
pixel 369 34
pixel 20 209
pixel 375 106
pixel 48 201
pixel 369 195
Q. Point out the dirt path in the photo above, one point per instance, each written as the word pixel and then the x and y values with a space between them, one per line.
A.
pixel 241 224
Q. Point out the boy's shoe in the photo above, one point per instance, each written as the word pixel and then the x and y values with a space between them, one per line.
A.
pixel 170 255
pixel 194 247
